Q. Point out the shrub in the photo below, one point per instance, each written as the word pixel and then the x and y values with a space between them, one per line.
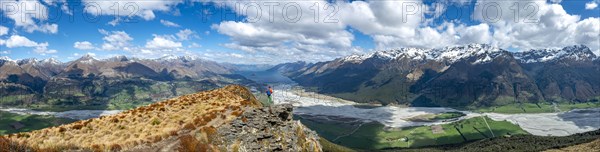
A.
pixel 155 122
pixel 188 143
pixel 77 126
pixel 115 147
pixel 61 129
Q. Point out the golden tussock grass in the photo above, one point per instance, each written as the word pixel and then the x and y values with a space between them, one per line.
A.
pixel 143 125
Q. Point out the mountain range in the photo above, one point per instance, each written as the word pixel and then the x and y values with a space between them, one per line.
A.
pixel 472 75
pixel 91 81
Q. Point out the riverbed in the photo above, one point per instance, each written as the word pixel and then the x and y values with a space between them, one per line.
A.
pixel 71 114
pixel 330 108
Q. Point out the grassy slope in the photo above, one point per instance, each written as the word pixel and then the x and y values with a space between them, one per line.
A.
pixel 523 143
pixel 331 147
pixel 31 122
pixel 533 108
pixel 374 136
pixel 143 125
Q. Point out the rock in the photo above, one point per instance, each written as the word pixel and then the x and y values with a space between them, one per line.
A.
pixel 270 129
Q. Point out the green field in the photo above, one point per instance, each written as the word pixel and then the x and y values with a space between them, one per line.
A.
pixel 31 122
pixel 372 136
pixel 544 107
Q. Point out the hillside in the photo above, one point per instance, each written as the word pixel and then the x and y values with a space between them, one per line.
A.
pixel 226 119
pixel 475 75
pixel 587 141
pixel 591 146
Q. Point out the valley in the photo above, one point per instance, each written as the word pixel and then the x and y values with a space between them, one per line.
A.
pixel 372 126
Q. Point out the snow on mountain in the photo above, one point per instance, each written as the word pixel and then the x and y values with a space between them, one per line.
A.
pixel 576 52
pixel 449 54
pixel 174 58
pixel 119 58
pixel 27 61
pixel 5 58
pixel 87 59
pixel 50 61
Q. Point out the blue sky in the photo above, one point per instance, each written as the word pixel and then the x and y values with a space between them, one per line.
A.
pixel 229 31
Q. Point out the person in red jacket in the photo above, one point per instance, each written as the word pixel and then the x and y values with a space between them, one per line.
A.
pixel 269 94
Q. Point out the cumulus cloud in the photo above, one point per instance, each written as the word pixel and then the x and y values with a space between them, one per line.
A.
pixel 160 42
pixel 289 35
pixel 169 23
pixel 3 30
pixel 29 15
pixel 194 45
pixel 20 41
pixel 129 8
pixel 185 34
pixel 115 40
pixel 85 45
pixel 591 5
pixel 384 21
pixel 550 27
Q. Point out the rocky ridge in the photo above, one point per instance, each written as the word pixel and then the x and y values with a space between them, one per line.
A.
pixel 226 119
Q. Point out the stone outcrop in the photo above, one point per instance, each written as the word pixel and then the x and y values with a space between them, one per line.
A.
pixel 269 129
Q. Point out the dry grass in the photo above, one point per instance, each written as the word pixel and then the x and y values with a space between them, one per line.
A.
pixel 144 125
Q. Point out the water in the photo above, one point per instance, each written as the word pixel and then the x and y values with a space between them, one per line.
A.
pixel 71 114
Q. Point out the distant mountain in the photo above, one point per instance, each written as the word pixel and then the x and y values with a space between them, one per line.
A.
pixel 248 67
pixel 289 67
pixel 471 75
pixel 91 81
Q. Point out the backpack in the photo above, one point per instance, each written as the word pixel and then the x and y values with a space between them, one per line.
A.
pixel 269 92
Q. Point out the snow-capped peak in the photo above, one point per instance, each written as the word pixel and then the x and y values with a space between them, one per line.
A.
pixel 118 58
pixel 6 58
pixel 576 52
pixel 87 59
pixel 449 54
pixel 453 54
pixel 50 61
pixel 171 57
pixel 27 61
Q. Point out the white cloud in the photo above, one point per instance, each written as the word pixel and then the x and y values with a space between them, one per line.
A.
pixel 27 14
pixel 143 9
pixel 159 42
pixel 194 45
pixel 591 5
pixel 2 42
pixel 115 21
pixel 21 41
pixel 3 30
pixel 550 27
pixel 115 40
pixel 85 45
pixel 185 34
pixel 5 52
pixel 274 38
pixel 169 23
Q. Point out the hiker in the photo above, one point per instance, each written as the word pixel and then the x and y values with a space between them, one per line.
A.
pixel 269 93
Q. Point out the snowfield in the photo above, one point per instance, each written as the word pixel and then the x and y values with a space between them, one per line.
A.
pixel 543 124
